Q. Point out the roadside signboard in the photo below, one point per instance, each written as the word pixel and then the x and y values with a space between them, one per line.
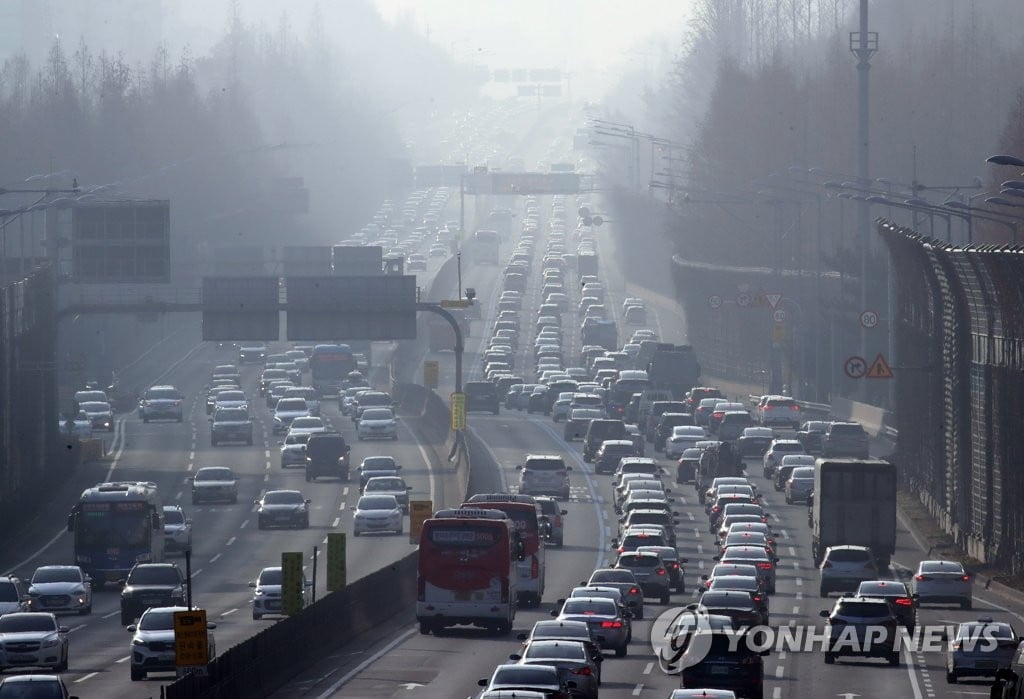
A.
pixel 191 643
pixel 419 512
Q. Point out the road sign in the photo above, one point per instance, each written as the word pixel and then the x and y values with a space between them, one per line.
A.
pixel 291 583
pixel 337 572
pixel 743 299
pixel 458 411
pixel 456 303
pixel 778 334
pixel 419 512
pixel 431 369
pixel 779 315
pixel 715 301
pixel 773 299
pixel 869 319
pixel 879 368
pixel 855 367
pixel 191 643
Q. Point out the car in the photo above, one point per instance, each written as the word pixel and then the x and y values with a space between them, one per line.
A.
pixel 732 424
pixel 327 454
pixel 745 607
pixel 672 562
pixel 943 582
pixel 554 520
pixel 718 413
pixel 377 513
pixel 778 410
pixel 611 453
pixel 800 484
pixel 161 402
pixel 33 639
pixel 724 660
pixel 787 465
pixel 293 449
pixel 438 250
pixel 625 582
pixel 283 508
pixel 230 398
pixel 845 439
pixel 755 441
pixel 266 592
pixel 544 474
pixel 752 555
pixel 778 449
pixel 482 396
pixel 578 421
pixel 34 687
pixel 390 485
pixel 151 585
pixel 609 622
pixel 898 593
pixel 58 588
pixel 873 624
pixel 639 517
pixel 740 537
pixel 377 423
pixel 374 466
pixel 572 659
pixel 214 484
pixel 251 353
pixel 650 573
pixel 703 409
pixel 13 597
pixel 844 568
pixel 702 693
pixel 177 530
pixel 308 394
pixel 286 411
pixel 561 407
pixel 811 434
pixel 230 425
pixel 152 646
pixel 100 415
pixel 306 425
pixel 214 393
pixel 981 649
pixel 511 679
pixel 276 391
pixel 683 437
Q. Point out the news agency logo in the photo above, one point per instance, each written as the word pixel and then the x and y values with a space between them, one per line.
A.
pixel 681 638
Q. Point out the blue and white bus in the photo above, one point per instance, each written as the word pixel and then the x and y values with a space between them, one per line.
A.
pixel 115 526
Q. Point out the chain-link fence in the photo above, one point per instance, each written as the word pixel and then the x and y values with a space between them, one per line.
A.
pixel 959 332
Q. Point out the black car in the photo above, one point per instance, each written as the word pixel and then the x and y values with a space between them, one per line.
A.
pixel 666 423
pixel 482 396
pixel 904 604
pixel 598 432
pixel 866 615
pixel 727 664
pixel 327 454
pixel 151 585
pixel 282 508
pixel 811 434
pixel 745 608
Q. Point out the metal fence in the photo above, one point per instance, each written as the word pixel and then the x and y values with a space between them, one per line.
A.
pixel 959 332
pixel 31 451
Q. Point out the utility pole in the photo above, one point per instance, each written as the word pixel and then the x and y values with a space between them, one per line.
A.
pixel 863 45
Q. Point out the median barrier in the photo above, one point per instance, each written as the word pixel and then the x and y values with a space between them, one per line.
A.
pixel 267 661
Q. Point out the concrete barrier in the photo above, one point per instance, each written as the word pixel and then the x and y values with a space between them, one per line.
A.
pixel 871 417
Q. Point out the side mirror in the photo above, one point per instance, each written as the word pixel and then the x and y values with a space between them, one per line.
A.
pixel 668 490
pixel 71 522
pixel 631 604
pixel 252 584
pixel 308 500
pixel 521 637
pixel 482 683
pixel 409 487
pixel 824 614
pixel 62 629
pixel 398 468
pixel 717 558
pixel 615 543
pixel 568 468
pixel 563 512
pixel 515 656
pixel 280 444
pixel 211 626
pixel 554 612
pixel 560 601
pixel 130 628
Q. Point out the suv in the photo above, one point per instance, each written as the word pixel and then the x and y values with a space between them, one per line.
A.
pixel 657 409
pixel 151 585
pixel 553 516
pixel 811 434
pixel 252 353
pixel 778 449
pixel 728 663
pixel 230 425
pixel 152 647
pixel 845 439
pixel 608 457
pixel 866 616
pixel 327 454
pixel 544 474
pixel 482 396
pixel 161 402
pixel 13 596
pixel 778 410
pixel 599 431
pixel 733 424
pixel 844 568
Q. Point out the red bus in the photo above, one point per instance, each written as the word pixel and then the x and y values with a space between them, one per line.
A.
pixel 466 570
pixel 329 365
pixel 526 515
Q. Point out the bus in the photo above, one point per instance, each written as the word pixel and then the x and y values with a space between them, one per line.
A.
pixel 329 365
pixel 526 516
pixel 630 381
pixel 466 567
pixel 115 526
pixel 487 247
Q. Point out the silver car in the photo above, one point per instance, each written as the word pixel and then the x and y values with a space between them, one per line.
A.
pixel 606 619
pixel 625 582
pixel 33 639
pixel 800 484
pixel 980 648
pixel 943 582
pixel 60 589
pixel 177 530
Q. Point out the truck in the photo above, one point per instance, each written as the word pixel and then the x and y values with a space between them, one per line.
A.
pixel 854 504
pixel 586 263
pixel 673 368
pixel 603 333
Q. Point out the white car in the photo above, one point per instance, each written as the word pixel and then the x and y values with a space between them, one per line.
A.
pixel 231 399
pixel 307 393
pixel 100 414
pixel 161 402
pixel 152 647
pixel 844 568
pixel 778 410
pixel 306 424
pixel 683 437
pixel 287 410
pixel 943 582
pixel 266 592
pixel 60 589
pixel 293 449
pixel 377 513
pixel 177 530
pixel 389 485
pixel 33 639
pixel 377 423
pixel 560 410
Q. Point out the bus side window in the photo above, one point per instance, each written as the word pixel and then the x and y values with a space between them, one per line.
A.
pixel 155 521
pixel 71 522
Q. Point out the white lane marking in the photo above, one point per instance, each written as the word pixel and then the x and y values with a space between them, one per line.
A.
pixel 796 610
pixel 908 662
pixel 637 689
pixel 113 613
pixel 785 534
pixel 178 495
pixel 779 671
pixel 777 693
pixel 266 477
pixel 191 456
pixel 230 611
pixel 431 476
pixel 124 659
pixel 267 466
pixel 189 467
pixel 792 551
pixel 690 515
pixel 344 491
pixel 366 663
pixel 244 524
pixel 782 655
pixel 214 559
pixel 266 453
pixel 337 521
pixel 230 541
pixel 647 668
pixel 76 628
pixel 799 581
pixel 86 677
pixel 700 548
pixel 799 596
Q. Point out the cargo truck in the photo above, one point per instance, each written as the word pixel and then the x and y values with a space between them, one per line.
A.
pixel 673 368
pixel 854 504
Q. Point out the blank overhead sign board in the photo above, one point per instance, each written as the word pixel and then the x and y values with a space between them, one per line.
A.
pixel 352 308
pixel 240 308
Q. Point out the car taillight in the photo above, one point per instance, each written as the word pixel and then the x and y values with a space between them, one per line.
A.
pixel 582 670
pixel 611 624
pixel 660 571
pixel 716 509
pixel 764 566
pixel 903 602
pixel 967 577
pixel 717 414
pixel 794 407
pixel 919 578
pixel 558 520
pixel 869 564
pixel 757 598
pixel 675 566
pixel 534 567
pixel 634 590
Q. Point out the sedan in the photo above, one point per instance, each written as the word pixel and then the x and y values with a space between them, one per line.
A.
pixel 377 423
pixel 572 660
pixel 152 647
pixel 625 582
pixel 29 686
pixel 287 410
pixel 649 572
pixel 100 414
pixel 307 425
pixel 60 589
pixel 608 623
pixel 214 483
pixel 377 513
pixel 543 679
pixel 287 508
pixel 390 485
pixel 943 582
pixel 33 639
pixel 903 603
pixel 980 649
pixel 756 556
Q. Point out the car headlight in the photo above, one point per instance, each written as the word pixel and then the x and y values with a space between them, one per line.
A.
pixel 138 642
pixel 258 592
pixel 50 642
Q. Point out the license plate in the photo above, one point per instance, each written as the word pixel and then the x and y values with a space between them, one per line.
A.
pixel 153 601
pixel 718 670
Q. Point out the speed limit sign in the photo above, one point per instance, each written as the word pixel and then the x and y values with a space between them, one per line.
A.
pixel 869 319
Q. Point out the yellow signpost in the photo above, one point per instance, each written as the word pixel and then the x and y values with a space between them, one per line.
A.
pixel 778 333
pixel 456 303
pixel 419 511
pixel 337 572
pixel 431 371
pixel 458 411
pixel 291 583
pixel 191 644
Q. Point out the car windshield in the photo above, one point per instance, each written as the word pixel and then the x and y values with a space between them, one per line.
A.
pixel 743 553
pixel 174 517
pixel 378 414
pixel 525 676
pixel 270 576
pixel 567 650
pixel 381 483
pixel 307 423
pixel 941 567
pixel 19 623
pixel 882 589
pixel 283 497
pixel 301 438
pixel 734 582
pixel 162 394
pixel 9 592
pixel 581 605
pixel 215 474
pixel 158 575
pixel 616 576
pixel 53 575
pixel 378 463
pixel 639 561
pixel 225 396
pixel 803 473
pixel 231 415
pixel 863 609
pixel 94 407
pixel 726 599
pixel 985 630
pixel 157 621
pixel 377 502
pixel 291 404
pixel 848 556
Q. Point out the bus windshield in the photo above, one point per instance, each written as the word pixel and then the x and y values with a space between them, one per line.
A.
pixel 331 362
pixel 103 528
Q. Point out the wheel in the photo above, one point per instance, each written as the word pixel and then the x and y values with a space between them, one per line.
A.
pixel 213 442
pixel 138 674
pixel 830 658
pixel 126 618
pixel 62 666
pixel 620 652
pixel 145 420
pixel 966 604
pixel 395 438
pixel 639 615
pixel 504 628
pixel 234 499
pixel 424 628
pixel 665 598
pixel 260 524
pixel 308 478
pixel 304 524
pixel 249 441
pixel 494 412
pixel 86 611
pixel 256 617
pixel 356 532
pixel 951 677
pixel 823 591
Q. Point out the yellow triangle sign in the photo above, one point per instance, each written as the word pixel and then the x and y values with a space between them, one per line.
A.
pixel 879 369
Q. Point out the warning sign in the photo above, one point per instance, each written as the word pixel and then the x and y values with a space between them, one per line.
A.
pixel 879 368
pixel 773 299
pixel 419 512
